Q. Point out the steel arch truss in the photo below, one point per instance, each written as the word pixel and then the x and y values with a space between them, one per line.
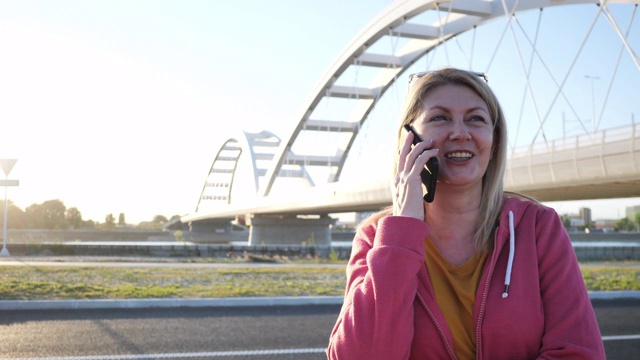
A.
pixel 247 151
pixel 419 38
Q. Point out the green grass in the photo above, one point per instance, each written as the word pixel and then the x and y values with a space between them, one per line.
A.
pixel 48 283
pixel 611 278
pixel 54 283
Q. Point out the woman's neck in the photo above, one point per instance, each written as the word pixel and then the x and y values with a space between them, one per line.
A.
pixel 452 219
pixel 452 205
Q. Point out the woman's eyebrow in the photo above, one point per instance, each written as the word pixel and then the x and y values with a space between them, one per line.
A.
pixel 438 107
pixel 444 108
pixel 484 110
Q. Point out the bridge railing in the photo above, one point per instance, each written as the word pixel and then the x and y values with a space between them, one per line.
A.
pixel 607 136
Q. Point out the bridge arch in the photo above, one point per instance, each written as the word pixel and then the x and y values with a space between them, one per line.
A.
pixel 566 169
pixel 244 155
pixel 447 20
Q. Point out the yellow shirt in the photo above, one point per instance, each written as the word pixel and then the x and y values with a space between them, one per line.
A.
pixel 455 291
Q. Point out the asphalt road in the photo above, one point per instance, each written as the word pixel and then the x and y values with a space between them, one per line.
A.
pixel 266 332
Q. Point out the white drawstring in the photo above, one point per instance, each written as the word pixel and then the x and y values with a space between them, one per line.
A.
pixel 512 250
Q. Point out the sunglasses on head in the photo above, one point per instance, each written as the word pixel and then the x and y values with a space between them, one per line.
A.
pixel 415 76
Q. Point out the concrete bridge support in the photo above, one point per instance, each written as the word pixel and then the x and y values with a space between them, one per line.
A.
pixel 291 230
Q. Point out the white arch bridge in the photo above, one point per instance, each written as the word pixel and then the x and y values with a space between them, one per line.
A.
pixel 288 185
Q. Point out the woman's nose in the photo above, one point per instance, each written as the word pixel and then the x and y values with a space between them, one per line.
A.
pixel 459 131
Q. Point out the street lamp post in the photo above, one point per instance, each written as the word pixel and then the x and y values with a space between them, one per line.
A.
pixel 7 165
pixel 593 99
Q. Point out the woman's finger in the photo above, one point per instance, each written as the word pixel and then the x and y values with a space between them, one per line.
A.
pixel 407 189
pixel 422 159
pixel 404 151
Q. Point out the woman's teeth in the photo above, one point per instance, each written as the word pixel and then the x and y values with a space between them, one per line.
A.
pixel 459 156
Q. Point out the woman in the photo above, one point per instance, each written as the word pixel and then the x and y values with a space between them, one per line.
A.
pixel 477 273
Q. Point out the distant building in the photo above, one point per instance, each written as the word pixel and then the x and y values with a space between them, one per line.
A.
pixel 606 225
pixel 631 212
pixel 585 214
pixel 579 221
pixel 576 222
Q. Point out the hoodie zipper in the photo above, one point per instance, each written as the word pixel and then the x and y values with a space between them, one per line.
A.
pixel 442 334
pixel 485 294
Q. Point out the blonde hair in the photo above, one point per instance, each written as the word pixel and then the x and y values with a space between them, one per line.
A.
pixel 492 181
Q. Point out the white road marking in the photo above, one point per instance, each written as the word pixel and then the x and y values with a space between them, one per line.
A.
pixel 621 337
pixel 237 353
pixel 186 355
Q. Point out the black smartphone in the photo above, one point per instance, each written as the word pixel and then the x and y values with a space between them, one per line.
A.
pixel 429 174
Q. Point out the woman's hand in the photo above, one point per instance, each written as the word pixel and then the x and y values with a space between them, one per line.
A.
pixel 407 187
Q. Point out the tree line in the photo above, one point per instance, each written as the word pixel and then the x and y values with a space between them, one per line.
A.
pixel 53 214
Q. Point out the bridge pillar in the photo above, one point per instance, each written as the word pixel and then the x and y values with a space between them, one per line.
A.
pixel 291 230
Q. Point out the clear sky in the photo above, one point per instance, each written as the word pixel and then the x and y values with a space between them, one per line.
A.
pixel 121 106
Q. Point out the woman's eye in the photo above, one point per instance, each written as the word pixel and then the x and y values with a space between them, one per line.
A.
pixel 477 118
pixel 438 118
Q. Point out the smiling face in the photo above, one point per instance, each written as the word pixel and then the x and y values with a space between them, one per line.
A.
pixel 458 121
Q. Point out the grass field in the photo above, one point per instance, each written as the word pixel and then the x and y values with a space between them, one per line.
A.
pixel 104 282
pixel 90 282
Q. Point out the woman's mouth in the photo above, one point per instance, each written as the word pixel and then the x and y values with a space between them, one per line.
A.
pixel 459 156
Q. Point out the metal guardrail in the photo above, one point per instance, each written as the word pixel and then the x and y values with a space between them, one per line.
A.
pixel 609 157
pixel 607 136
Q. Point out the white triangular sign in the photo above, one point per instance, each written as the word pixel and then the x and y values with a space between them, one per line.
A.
pixel 7 165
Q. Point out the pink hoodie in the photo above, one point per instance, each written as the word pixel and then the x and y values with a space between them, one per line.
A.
pixel 390 311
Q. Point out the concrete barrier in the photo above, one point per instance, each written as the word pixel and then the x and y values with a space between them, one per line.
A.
pixel 164 250
pixel 603 253
pixel 588 247
pixel 583 252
